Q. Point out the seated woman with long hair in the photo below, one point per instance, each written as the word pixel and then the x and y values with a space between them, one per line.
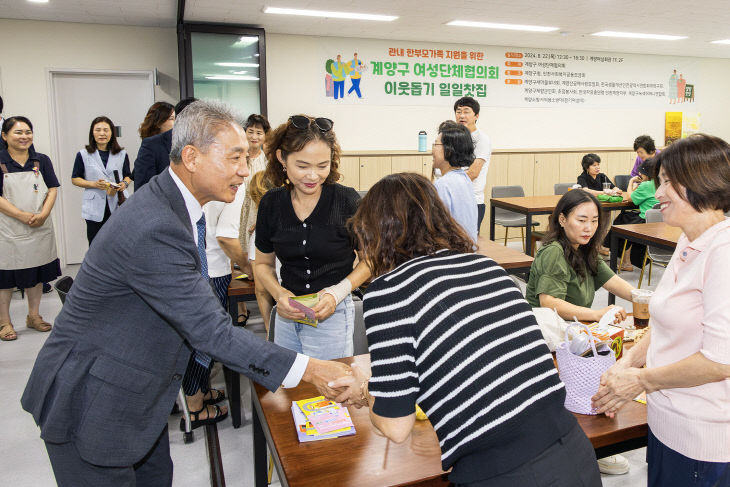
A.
pixel 449 330
pixel 567 270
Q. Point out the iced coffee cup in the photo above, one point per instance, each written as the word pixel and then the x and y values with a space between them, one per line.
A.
pixel 640 301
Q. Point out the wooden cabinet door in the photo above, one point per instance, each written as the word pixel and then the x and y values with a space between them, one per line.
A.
pixel 372 169
pixel 570 167
pixel 406 164
pixel 350 171
pixel 427 167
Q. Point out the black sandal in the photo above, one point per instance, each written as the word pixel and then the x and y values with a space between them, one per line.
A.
pixel 245 318
pixel 196 422
pixel 216 396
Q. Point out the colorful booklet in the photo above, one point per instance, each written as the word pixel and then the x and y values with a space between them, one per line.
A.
pixel 318 419
pixel 304 304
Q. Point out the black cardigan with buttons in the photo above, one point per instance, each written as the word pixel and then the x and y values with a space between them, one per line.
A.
pixel 314 253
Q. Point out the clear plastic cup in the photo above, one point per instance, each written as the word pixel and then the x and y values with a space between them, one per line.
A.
pixel 640 301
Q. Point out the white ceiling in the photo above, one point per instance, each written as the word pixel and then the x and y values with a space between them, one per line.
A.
pixel 423 20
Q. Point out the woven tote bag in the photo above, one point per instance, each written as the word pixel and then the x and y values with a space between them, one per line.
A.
pixel 582 375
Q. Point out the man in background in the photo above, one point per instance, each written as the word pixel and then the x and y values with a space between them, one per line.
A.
pixel 466 112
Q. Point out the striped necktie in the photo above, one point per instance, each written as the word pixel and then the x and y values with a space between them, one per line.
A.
pixel 200 357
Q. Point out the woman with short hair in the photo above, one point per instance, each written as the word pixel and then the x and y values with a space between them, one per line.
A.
pixel 683 362
pixel 453 153
pixel 448 329
pixel 256 127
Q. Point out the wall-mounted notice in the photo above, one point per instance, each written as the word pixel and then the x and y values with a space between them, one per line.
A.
pixel 672 127
pixel 380 72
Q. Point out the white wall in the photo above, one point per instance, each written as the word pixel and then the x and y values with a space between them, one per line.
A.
pixel 294 78
pixel 30 47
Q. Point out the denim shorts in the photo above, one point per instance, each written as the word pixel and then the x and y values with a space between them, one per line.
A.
pixel 331 339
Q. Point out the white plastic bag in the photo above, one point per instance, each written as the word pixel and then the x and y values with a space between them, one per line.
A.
pixel 551 325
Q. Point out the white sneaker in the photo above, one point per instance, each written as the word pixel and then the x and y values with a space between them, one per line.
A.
pixel 613 465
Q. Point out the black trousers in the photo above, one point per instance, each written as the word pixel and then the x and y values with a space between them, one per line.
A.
pixel 629 217
pixel 481 210
pixel 70 470
pixel 197 376
pixel 92 228
pixel 569 462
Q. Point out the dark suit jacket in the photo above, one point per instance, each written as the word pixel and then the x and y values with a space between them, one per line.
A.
pixel 108 374
pixel 153 158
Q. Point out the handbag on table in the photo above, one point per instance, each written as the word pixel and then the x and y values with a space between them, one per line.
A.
pixel 582 375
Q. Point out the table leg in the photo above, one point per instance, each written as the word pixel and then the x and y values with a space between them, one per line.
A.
pixel 491 221
pixel 260 469
pixel 217 478
pixel 528 232
pixel 233 386
pixel 233 380
pixel 613 263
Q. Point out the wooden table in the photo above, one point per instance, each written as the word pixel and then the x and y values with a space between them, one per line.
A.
pixel 367 459
pixel 239 290
pixel 657 234
pixel 538 205
pixel 511 260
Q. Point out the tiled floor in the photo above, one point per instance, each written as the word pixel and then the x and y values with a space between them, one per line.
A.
pixel 24 460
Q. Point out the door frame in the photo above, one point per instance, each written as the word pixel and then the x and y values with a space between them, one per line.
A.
pixel 58 219
pixel 185 53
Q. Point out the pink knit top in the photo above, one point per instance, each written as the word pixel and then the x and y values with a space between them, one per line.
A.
pixel 690 313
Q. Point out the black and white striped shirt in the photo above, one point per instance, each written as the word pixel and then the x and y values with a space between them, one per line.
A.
pixel 453 333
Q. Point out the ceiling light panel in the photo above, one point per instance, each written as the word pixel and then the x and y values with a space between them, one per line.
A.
pixel 329 14
pixel 638 35
pixel 492 25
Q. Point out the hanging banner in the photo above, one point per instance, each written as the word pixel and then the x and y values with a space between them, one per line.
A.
pixel 378 72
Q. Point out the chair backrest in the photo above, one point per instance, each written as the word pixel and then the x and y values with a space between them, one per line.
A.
pixel 359 338
pixel 653 216
pixel 622 181
pixel 362 193
pixel 63 286
pixel 272 325
pixel 507 191
pixel 562 188
pixel 657 254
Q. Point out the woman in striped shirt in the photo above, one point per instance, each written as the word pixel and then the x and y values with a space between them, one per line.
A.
pixel 449 330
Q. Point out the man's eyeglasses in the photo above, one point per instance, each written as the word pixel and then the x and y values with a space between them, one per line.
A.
pixel 302 123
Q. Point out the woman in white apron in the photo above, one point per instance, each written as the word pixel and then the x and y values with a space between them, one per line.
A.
pixel 96 169
pixel 27 194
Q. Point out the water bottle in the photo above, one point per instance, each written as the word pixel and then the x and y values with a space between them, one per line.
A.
pixel 422 141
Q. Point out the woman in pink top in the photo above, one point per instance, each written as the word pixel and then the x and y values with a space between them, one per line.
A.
pixel 687 351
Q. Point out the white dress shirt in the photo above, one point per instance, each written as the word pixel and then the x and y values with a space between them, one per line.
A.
pixel 195 211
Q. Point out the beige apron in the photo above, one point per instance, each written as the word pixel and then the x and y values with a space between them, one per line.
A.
pixel 24 246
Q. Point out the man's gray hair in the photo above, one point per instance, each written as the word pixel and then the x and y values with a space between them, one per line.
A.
pixel 199 124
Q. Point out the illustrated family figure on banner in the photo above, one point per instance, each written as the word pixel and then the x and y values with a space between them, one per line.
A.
pixel 679 90
pixel 337 73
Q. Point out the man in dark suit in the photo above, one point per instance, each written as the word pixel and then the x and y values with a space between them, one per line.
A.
pixel 103 384
pixel 153 156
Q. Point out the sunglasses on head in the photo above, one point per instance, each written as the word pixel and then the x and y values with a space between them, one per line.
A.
pixel 302 122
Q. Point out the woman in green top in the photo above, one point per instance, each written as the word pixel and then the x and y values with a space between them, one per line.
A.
pixel 567 269
pixel 641 191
